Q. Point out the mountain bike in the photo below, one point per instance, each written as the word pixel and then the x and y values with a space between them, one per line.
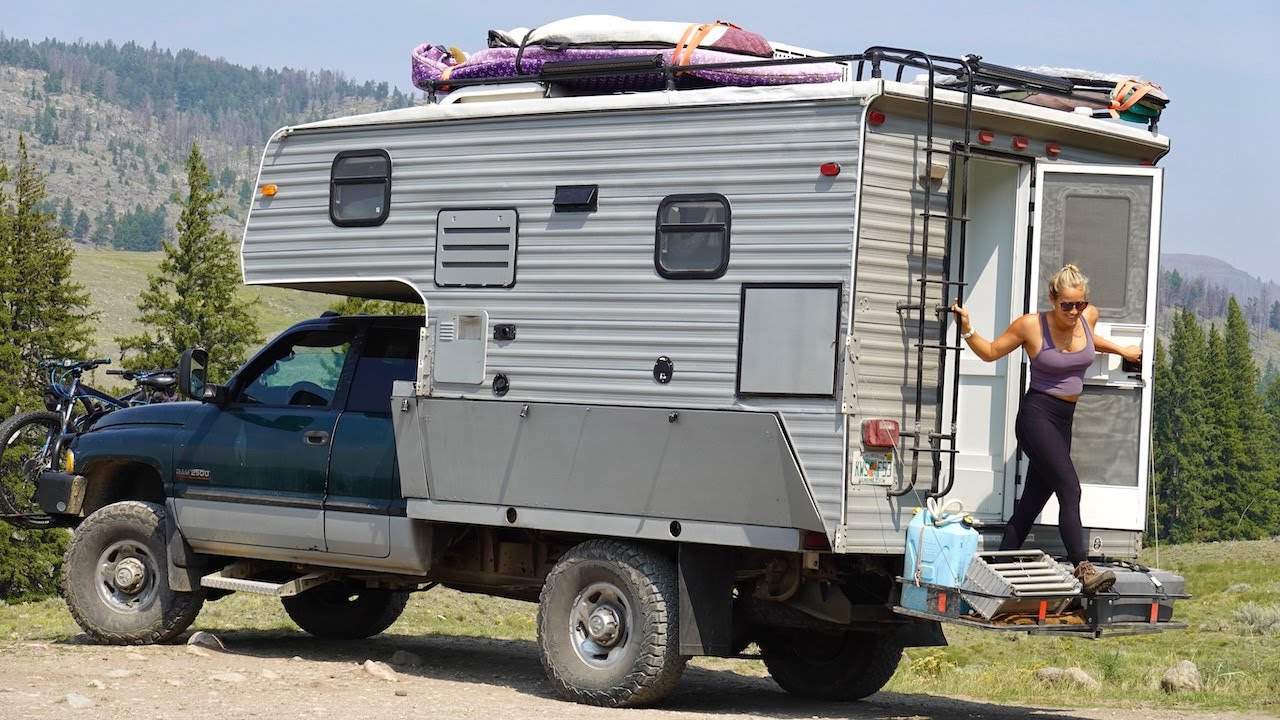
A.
pixel 35 442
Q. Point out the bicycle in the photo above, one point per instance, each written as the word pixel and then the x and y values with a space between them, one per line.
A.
pixel 34 442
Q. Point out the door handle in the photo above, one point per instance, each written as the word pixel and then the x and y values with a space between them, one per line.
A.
pixel 315 437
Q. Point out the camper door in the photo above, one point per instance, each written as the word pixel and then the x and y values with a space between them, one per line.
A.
pixel 1106 220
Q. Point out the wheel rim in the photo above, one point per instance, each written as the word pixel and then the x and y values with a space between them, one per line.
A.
pixel 127 579
pixel 600 624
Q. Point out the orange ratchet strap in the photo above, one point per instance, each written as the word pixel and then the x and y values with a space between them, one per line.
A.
pixel 1127 93
pixel 692 38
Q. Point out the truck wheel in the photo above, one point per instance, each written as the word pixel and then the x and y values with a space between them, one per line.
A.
pixel 339 611
pixel 822 666
pixel 607 625
pixel 115 577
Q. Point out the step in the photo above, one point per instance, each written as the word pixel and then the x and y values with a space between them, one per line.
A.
pixel 238 578
pixel 1013 580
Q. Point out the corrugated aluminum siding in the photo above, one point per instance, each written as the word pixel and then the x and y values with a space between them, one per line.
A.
pixel 592 314
pixel 881 381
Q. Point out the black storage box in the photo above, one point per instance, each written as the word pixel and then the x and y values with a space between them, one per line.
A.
pixel 1139 595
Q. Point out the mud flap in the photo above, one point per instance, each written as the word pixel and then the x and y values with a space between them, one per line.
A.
pixel 185 566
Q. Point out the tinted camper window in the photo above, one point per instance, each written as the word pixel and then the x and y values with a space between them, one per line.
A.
pixel 693 237
pixel 360 188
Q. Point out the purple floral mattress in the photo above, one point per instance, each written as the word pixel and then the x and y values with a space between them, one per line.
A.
pixel 433 63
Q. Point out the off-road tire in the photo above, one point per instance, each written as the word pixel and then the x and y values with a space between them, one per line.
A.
pixel 125 537
pixel 820 666
pixel 19 471
pixel 643 663
pixel 337 611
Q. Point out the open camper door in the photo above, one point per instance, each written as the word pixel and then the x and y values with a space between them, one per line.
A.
pixel 1106 220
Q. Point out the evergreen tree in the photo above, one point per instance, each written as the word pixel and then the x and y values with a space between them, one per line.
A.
pixel 194 300
pixel 67 217
pixel 1180 435
pixel 81 231
pixel 42 314
pixel 1253 497
pixel 47 313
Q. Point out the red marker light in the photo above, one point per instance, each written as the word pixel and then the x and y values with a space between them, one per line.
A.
pixel 1020 143
pixel 1147 163
pixel 986 137
pixel 1053 149
pixel 830 169
pixel 875 117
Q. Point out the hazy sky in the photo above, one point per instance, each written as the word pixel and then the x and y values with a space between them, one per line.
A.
pixel 1210 57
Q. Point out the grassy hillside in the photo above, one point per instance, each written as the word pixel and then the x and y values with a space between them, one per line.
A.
pixel 1234 639
pixel 114 278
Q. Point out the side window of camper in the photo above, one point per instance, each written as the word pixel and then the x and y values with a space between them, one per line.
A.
pixel 360 188
pixel 693 237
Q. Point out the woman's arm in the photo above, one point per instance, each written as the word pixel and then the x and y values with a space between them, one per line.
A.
pixel 1011 339
pixel 1101 344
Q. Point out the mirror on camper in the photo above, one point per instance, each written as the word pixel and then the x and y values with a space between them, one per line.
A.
pixel 192 373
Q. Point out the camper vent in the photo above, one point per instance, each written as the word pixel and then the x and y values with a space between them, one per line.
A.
pixel 447 331
pixel 476 248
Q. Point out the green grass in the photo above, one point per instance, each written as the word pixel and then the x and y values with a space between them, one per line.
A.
pixel 115 278
pixel 1234 587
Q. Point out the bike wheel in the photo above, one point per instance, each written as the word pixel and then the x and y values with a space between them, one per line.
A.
pixel 27 448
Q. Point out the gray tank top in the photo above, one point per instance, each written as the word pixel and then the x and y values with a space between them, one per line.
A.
pixel 1059 372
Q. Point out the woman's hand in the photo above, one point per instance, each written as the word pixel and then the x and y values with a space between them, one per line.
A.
pixel 1132 353
pixel 962 316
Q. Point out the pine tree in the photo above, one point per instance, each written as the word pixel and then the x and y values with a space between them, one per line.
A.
pixel 47 313
pixel 1253 496
pixel 1181 437
pixel 81 231
pixel 194 299
pixel 365 306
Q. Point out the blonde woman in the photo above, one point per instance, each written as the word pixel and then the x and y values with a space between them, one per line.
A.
pixel 1061 345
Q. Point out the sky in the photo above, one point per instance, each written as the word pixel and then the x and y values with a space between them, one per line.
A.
pixel 1209 57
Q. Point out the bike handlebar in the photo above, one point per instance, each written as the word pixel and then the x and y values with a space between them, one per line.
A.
pixel 74 364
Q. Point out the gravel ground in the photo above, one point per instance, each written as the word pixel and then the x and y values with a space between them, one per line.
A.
pixel 289 675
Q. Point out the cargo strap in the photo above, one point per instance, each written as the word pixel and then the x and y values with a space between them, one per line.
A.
pixel 692 38
pixel 1127 93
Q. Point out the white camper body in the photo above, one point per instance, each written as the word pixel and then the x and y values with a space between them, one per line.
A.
pixel 669 315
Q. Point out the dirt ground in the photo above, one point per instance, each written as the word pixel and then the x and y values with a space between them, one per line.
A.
pixel 289 675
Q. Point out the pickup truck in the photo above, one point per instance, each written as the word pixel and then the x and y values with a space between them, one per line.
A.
pixel 285 482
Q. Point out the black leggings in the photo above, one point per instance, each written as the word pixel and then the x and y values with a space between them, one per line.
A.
pixel 1044 432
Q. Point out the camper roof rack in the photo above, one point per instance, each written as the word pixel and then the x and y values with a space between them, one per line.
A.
pixel 970 73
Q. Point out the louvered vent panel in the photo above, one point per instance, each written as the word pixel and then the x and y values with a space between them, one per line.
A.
pixel 476 248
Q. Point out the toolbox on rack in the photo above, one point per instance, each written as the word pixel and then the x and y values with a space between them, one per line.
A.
pixel 1141 594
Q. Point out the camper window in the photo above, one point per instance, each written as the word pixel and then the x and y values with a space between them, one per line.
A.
pixel 360 188
pixel 693 237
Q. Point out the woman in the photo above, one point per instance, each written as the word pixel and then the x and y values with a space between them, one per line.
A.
pixel 1061 345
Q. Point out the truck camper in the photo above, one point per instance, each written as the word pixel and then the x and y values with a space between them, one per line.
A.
pixel 684 372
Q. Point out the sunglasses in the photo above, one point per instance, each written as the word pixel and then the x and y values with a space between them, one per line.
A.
pixel 1078 305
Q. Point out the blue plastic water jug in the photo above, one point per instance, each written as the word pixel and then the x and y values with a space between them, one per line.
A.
pixel 940 545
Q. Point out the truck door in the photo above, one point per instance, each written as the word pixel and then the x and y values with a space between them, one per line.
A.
pixel 1106 220
pixel 254 472
pixel 364 480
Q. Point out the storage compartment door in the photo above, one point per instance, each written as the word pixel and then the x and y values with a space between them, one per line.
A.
pixel 1106 220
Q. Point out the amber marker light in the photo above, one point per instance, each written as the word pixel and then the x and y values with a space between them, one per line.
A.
pixel 268 191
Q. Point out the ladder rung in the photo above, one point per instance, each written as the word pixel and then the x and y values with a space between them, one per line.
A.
pixel 948 150
pixel 940 347
pixel 945 216
pixel 918 450
pixel 931 281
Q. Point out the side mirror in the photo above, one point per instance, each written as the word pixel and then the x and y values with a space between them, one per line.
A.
pixel 193 373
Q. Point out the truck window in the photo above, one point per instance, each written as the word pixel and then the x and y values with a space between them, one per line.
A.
pixel 360 188
pixel 301 371
pixel 692 237
pixel 390 354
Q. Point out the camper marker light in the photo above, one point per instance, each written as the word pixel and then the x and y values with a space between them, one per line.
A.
pixel 810 540
pixel 830 169
pixel 880 433
pixel 268 190
pixel 1020 143
pixel 1053 149
pixel 986 137
pixel 875 117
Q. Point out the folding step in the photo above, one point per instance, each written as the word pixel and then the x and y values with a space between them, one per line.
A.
pixel 1014 581
pixel 238 578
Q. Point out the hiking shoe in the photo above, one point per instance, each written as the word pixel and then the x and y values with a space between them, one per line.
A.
pixel 1093 580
